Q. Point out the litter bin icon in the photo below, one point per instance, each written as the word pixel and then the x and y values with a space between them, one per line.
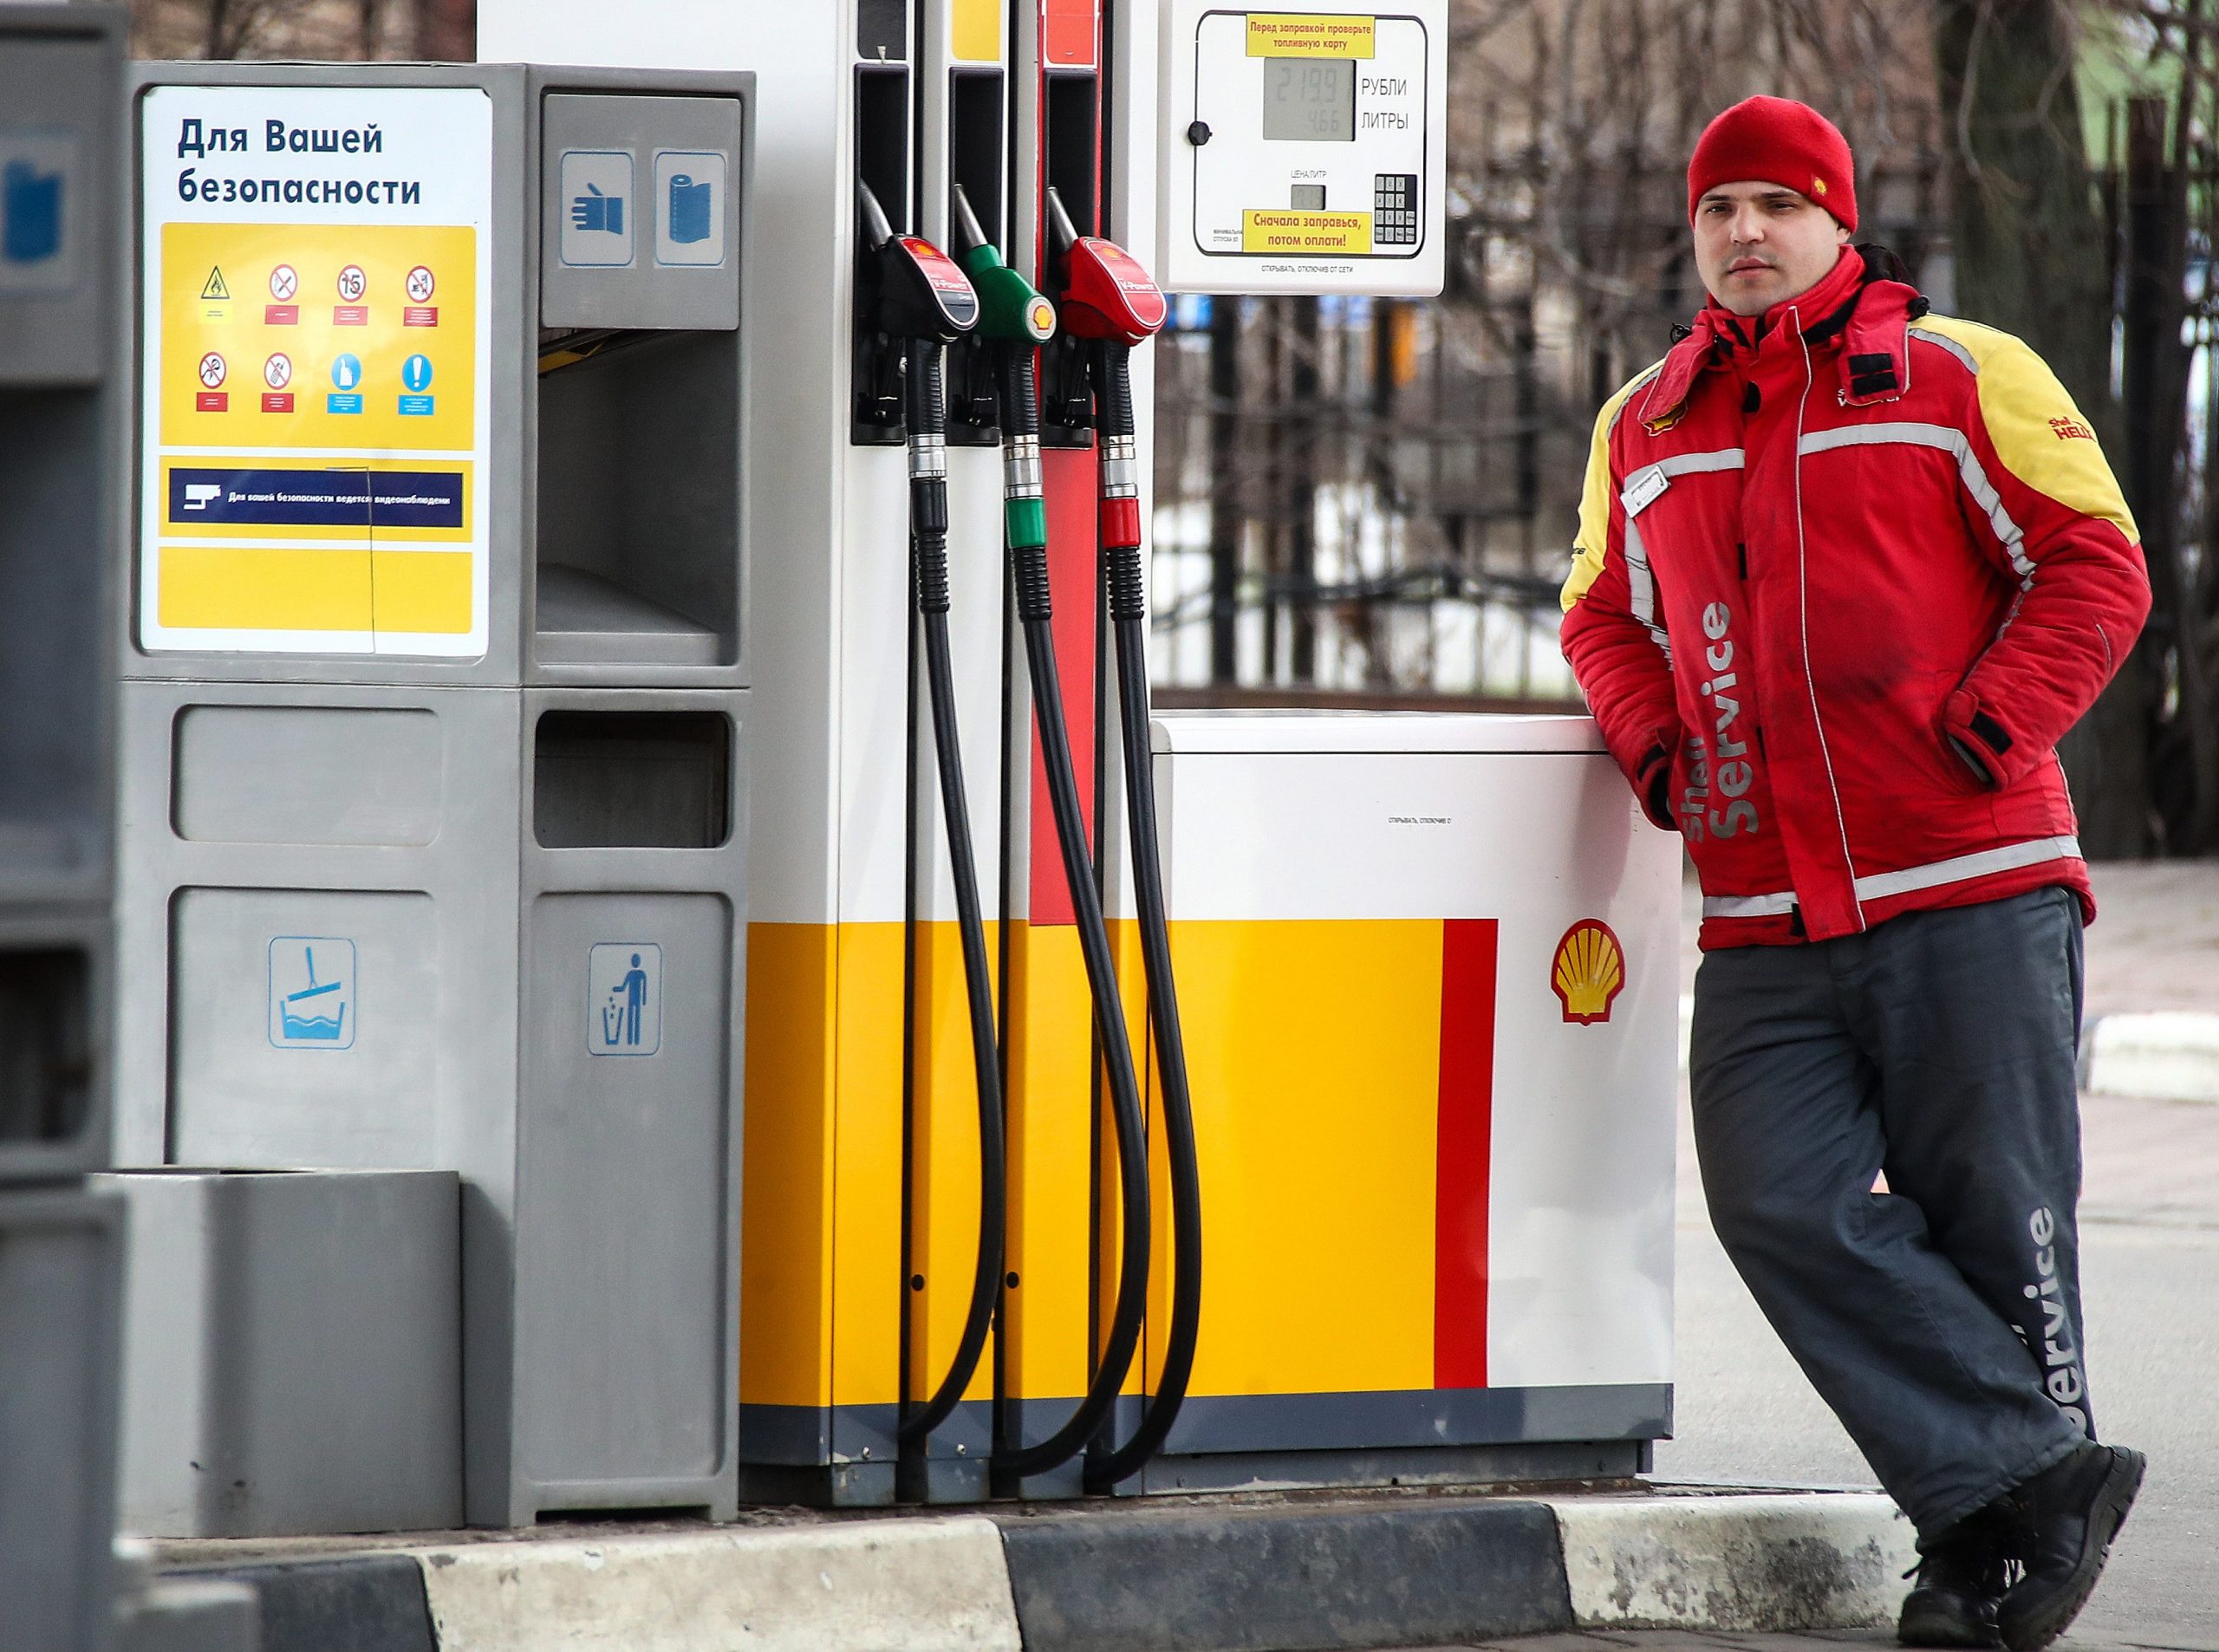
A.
pixel 690 205
pixel 31 204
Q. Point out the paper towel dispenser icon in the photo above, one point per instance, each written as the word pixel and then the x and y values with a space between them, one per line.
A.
pixel 691 206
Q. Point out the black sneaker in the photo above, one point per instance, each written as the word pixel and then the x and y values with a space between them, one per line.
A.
pixel 2071 1512
pixel 1961 1576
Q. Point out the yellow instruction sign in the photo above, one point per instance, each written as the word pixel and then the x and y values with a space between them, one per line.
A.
pixel 1310 34
pixel 315 417
pixel 1306 235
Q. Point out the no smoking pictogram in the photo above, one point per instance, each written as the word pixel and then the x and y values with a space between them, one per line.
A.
pixel 284 282
pixel 353 283
pixel 277 371
pixel 420 284
pixel 212 369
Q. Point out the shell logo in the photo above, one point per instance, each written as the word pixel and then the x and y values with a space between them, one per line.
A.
pixel 1590 972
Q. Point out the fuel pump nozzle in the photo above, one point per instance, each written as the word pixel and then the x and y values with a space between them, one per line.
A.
pixel 1101 289
pixel 1107 300
pixel 918 299
pixel 1015 320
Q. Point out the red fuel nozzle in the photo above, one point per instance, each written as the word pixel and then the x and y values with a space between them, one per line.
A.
pixel 1104 292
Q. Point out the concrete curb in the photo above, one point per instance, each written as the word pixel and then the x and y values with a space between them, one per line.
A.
pixel 2161 1055
pixel 1270 1575
pixel 1264 1580
pixel 1783 1561
pixel 929 1585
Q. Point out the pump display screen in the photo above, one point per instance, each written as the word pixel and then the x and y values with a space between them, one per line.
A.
pixel 1310 100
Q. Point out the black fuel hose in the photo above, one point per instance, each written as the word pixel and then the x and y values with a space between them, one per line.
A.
pixel 1021 417
pixel 1127 582
pixel 925 412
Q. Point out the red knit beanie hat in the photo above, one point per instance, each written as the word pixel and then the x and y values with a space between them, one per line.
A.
pixel 1776 141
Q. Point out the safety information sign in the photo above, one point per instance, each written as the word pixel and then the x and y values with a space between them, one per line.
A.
pixel 315 408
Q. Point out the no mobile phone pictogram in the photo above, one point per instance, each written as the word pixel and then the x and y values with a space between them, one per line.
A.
pixel 277 371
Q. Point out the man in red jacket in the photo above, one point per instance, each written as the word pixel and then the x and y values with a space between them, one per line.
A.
pixel 1847 571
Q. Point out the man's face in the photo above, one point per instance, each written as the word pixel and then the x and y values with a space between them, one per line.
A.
pixel 1758 245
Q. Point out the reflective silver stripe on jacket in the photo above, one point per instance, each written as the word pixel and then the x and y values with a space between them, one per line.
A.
pixel 1641 590
pixel 1878 887
pixel 1955 443
pixel 1748 906
pixel 1948 344
pixel 1642 489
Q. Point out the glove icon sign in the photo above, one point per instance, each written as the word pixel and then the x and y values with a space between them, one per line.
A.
pixel 595 211
pixel 594 203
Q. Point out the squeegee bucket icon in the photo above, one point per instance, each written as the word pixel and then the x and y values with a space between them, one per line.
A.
pixel 303 1023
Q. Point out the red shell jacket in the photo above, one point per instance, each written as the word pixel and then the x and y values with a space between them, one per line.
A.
pixel 1842 580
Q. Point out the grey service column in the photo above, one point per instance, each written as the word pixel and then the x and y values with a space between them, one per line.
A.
pixel 433 778
pixel 61 83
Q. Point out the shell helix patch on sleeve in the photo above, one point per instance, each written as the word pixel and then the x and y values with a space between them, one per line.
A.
pixel 2038 432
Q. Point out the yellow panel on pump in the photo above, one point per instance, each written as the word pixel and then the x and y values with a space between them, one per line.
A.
pixel 1314 1050
pixel 944 1174
pixel 785 1351
pixel 1045 1316
pixel 975 31
pixel 867 1169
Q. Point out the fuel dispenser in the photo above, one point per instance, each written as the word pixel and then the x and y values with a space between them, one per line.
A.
pixel 61 399
pixel 1399 989
pixel 436 706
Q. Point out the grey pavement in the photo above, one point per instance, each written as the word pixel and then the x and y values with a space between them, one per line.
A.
pixel 2151 1277
pixel 1689 1641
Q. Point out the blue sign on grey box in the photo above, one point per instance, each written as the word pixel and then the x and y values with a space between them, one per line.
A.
pixel 31 205
pixel 689 209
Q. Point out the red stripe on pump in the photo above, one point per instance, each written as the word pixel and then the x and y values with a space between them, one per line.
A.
pixel 1068 477
pixel 1462 1152
pixel 1068 34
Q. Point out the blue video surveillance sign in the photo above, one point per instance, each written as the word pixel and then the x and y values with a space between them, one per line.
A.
pixel 315 499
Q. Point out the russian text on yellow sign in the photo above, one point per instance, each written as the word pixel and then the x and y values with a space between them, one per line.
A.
pixel 176 526
pixel 1306 235
pixel 1303 33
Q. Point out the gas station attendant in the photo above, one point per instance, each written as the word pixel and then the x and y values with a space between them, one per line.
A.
pixel 1847 571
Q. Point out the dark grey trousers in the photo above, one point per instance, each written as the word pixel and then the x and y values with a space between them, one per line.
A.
pixel 1940 1320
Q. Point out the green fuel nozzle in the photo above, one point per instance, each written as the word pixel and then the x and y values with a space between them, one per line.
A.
pixel 1012 309
pixel 1016 318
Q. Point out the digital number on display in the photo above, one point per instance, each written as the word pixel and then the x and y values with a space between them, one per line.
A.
pixel 1310 100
